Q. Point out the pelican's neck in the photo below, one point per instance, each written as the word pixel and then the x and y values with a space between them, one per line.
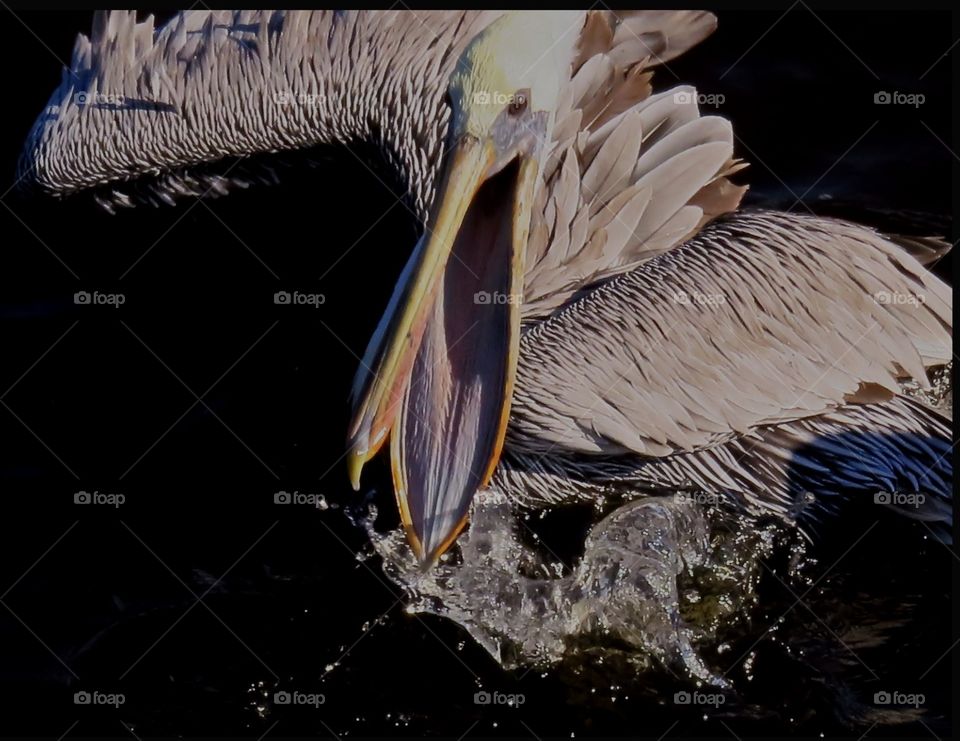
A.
pixel 212 86
pixel 383 78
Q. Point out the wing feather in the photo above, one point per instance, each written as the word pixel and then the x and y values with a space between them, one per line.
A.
pixel 761 319
pixel 631 174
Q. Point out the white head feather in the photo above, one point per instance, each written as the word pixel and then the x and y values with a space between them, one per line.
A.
pixel 521 53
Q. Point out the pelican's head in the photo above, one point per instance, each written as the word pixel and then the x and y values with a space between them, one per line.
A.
pixel 438 374
pixel 506 86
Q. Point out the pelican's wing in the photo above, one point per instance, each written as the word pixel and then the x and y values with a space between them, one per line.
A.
pixel 760 319
pixel 631 174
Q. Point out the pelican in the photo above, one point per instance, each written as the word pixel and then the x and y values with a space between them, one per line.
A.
pixel 588 308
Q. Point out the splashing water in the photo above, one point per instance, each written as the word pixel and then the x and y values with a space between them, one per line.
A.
pixel 660 578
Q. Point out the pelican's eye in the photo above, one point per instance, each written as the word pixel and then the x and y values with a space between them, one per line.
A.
pixel 518 104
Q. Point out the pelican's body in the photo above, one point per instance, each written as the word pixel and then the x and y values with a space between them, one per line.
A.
pixel 655 346
pixel 719 418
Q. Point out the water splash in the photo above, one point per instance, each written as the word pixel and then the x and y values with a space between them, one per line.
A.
pixel 660 579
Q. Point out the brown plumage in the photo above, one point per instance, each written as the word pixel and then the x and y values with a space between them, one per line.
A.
pixel 763 356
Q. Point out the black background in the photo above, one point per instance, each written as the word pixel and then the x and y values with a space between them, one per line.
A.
pixel 104 399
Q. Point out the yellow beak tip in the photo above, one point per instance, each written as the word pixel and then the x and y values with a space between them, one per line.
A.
pixel 355 462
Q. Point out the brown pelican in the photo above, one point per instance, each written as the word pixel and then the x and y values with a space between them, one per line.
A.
pixel 586 309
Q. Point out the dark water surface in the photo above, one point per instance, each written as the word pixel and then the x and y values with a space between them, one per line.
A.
pixel 199 597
